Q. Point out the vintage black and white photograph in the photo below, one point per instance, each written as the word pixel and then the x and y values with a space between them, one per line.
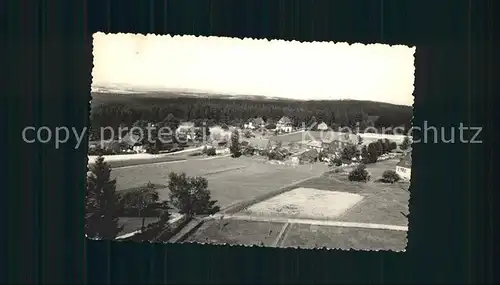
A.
pixel 273 143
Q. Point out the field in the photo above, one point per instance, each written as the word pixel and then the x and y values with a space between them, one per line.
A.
pixel 375 222
pixel 275 234
pixel 313 236
pixel 230 180
pixel 237 232
pixel 307 203
pixel 383 203
pixel 316 208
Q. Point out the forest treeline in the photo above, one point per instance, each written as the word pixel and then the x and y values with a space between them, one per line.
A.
pixel 116 110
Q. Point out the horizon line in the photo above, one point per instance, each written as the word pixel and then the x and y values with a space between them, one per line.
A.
pixel 189 91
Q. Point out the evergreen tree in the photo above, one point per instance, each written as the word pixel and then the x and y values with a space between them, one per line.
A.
pixel 101 203
pixel 235 144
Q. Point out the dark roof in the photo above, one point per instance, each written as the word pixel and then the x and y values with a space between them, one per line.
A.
pixel 258 121
pixel 312 153
pixel 258 143
pixel 285 120
pixel 405 161
pixel 131 139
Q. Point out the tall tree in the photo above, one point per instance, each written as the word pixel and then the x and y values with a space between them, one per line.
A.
pixel 235 144
pixel 101 202
pixel 141 200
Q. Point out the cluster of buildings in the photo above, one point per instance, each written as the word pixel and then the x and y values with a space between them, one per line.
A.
pixel 284 124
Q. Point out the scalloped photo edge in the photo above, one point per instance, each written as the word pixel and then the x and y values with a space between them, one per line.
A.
pixel 250 142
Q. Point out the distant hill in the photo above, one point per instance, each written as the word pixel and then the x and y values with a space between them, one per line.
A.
pixel 101 97
pixel 115 108
pixel 144 98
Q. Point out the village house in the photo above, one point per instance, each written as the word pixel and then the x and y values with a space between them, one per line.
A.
pixel 309 156
pixel 284 124
pixel 186 130
pixel 372 120
pixel 133 142
pixel 322 126
pixel 317 145
pixel 403 168
pixel 255 123
pixel 336 146
pixel 259 143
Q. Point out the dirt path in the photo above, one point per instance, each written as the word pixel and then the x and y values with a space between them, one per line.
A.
pixel 309 222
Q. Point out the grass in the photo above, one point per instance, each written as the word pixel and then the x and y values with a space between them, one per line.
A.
pixel 311 236
pixel 383 203
pixel 234 232
pixel 133 162
pixel 230 180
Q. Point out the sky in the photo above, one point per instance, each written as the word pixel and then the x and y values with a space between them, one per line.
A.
pixel 276 68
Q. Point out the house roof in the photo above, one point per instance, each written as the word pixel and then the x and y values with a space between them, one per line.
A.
pixel 312 153
pixel 405 161
pixel 315 143
pixel 285 120
pixel 131 139
pixel 258 143
pixel 257 121
pixel 322 126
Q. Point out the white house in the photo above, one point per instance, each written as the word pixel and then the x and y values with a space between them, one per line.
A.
pixel 403 168
pixel 284 124
pixel 255 123
pixel 315 145
pixel 322 127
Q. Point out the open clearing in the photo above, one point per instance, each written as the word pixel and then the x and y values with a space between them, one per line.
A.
pixel 230 180
pixel 306 203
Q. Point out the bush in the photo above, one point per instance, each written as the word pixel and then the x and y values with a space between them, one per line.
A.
pixel 248 134
pixel 271 127
pixel 383 147
pixel 359 174
pixel 405 144
pixel 393 146
pixel 101 151
pixel 323 154
pixel 390 176
pixel 211 151
pixel 249 150
pixel 336 162
pixel 349 152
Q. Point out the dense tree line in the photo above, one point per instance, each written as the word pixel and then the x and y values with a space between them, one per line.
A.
pixel 114 110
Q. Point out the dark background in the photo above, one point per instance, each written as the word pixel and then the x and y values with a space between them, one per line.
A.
pixel 48 76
